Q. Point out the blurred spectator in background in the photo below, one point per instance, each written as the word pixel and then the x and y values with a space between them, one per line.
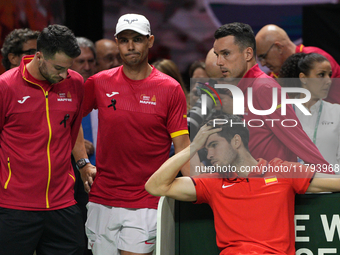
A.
pixel 18 43
pixel 169 67
pixel 273 47
pixel 107 55
pixel 196 70
pixel 313 72
pixel 211 68
pixel 85 64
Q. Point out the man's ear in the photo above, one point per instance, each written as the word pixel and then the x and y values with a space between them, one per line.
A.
pixel 39 55
pixel 236 142
pixel 279 46
pixel 249 54
pixel 151 41
pixel 14 59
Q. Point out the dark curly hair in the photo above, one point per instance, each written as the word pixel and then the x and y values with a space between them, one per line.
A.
pixel 300 63
pixel 296 64
pixel 58 38
pixel 14 42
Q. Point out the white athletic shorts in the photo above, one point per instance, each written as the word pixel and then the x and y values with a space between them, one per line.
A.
pixel 110 229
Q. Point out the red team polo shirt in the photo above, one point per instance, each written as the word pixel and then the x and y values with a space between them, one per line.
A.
pixel 273 139
pixel 35 144
pixel 133 140
pixel 254 215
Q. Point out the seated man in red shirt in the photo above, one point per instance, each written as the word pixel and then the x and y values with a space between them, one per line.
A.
pixel 252 200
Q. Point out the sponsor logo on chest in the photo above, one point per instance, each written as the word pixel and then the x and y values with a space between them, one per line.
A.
pixel 23 100
pixel 64 97
pixel 112 94
pixel 227 186
pixel 146 99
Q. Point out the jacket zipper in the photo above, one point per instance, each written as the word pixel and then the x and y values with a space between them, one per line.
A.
pixel 48 147
pixel 9 173
pixel 49 140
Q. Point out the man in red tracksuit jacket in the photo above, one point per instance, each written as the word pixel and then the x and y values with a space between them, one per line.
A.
pixel 40 116
pixel 235 49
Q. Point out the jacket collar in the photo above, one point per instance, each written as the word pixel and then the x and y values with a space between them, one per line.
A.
pixel 29 78
pixel 249 77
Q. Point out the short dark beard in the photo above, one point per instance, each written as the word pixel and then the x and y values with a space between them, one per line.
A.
pixel 41 70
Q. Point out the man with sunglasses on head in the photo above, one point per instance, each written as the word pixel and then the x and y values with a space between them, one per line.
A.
pixel 18 43
pixel 40 116
pixel 273 47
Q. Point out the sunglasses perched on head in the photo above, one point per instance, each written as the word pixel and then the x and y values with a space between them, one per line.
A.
pixel 27 52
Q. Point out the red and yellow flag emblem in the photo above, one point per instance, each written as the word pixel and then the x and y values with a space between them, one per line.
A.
pixel 270 180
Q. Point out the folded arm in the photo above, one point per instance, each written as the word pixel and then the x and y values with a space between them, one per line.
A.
pixel 324 183
pixel 164 182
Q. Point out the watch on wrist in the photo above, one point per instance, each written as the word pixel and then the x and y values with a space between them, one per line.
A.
pixel 82 162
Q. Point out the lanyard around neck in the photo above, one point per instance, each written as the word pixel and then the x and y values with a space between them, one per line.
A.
pixel 317 122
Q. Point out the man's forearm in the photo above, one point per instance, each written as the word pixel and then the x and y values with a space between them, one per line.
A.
pixel 160 182
pixel 79 150
pixel 180 143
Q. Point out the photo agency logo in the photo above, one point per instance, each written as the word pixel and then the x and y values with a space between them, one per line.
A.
pixel 204 96
pixel 209 92
pixel 238 100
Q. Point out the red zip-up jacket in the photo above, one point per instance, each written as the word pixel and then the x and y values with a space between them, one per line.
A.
pixel 39 124
pixel 275 140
